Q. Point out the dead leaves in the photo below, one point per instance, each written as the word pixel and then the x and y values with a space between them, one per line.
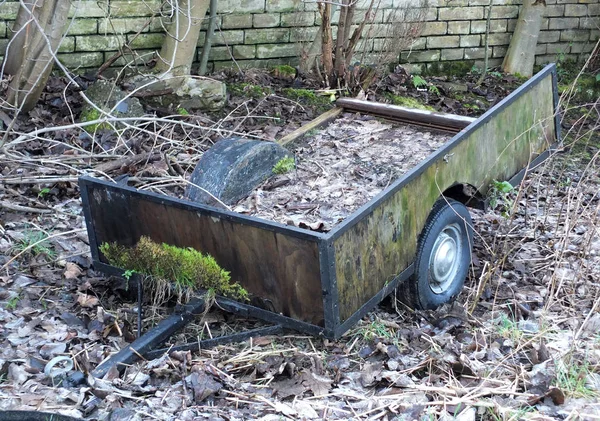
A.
pixel 339 169
pixel 72 271
pixel 303 382
pixel 87 301
pixel 17 374
pixel 202 385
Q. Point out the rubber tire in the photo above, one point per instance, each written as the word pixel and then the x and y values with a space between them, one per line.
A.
pixel 419 293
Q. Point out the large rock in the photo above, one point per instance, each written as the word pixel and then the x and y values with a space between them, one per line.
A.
pixel 189 93
pixel 106 95
pixel 232 169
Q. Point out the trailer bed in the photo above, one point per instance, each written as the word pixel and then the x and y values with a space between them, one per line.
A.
pixel 322 283
pixel 340 168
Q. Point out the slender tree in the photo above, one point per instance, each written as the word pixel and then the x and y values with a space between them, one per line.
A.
pixel 520 56
pixel 179 48
pixel 36 36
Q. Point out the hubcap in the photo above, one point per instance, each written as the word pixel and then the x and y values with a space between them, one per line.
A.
pixel 445 259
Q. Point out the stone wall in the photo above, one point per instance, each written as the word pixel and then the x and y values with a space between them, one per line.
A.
pixel 266 32
pixel 456 31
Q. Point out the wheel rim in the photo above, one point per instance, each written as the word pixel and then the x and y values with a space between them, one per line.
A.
pixel 445 259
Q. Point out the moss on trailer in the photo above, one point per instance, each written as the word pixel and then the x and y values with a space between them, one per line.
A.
pixel 186 268
pixel 383 243
pixel 409 102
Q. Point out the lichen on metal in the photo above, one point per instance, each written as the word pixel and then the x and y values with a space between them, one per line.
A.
pixel 367 256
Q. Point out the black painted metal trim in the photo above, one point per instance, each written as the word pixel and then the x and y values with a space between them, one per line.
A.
pixel 85 181
pixel 557 115
pixel 151 339
pixel 247 310
pixel 518 177
pixel 367 208
pixel 89 223
pixel 107 269
pixel 330 290
pixel 372 303
pixel 219 340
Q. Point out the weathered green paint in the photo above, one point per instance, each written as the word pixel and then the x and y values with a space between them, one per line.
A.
pixel 375 250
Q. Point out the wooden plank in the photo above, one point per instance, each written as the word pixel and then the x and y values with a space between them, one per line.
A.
pixel 281 271
pixel 370 253
pixel 321 120
pixel 425 118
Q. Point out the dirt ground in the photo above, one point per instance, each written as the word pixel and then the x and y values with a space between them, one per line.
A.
pixel 521 342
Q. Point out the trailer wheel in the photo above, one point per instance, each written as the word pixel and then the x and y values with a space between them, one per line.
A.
pixel 443 256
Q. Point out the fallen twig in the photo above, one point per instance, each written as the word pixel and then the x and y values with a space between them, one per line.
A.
pixel 19 208
pixel 126 161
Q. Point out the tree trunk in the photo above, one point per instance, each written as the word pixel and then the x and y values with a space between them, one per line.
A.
pixel 37 50
pixel 14 50
pixel 520 56
pixel 179 48
pixel 327 40
pixel 358 33
pixel 208 39
pixel 340 63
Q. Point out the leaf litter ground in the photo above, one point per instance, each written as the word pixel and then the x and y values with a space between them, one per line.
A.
pixel 521 342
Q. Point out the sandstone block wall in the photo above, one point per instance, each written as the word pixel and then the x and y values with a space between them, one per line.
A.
pixel 266 32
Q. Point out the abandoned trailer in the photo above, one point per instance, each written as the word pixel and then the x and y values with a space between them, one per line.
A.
pixel 414 235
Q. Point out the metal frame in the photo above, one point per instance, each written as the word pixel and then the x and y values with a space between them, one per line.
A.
pixel 333 328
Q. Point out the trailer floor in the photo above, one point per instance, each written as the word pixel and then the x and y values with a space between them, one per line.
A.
pixel 338 169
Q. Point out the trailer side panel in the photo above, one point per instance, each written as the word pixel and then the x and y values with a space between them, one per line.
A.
pixel 380 241
pixel 281 271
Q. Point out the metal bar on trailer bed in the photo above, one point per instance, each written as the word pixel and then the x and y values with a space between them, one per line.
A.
pixel 449 122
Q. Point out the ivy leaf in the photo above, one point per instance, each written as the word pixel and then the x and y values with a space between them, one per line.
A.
pixel 504 187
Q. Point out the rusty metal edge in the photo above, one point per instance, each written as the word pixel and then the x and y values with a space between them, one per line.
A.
pixel 442 121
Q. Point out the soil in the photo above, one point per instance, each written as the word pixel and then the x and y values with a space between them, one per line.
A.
pixel 340 168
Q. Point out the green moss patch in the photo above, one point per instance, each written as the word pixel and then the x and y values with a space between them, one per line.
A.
pixel 284 165
pixel 91 115
pixel 249 90
pixel 284 71
pixel 308 97
pixel 408 102
pixel 173 271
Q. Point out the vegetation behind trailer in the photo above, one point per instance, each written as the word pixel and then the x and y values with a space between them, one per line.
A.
pixel 364 258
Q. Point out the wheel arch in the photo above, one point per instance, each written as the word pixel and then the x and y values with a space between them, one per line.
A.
pixel 467 194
